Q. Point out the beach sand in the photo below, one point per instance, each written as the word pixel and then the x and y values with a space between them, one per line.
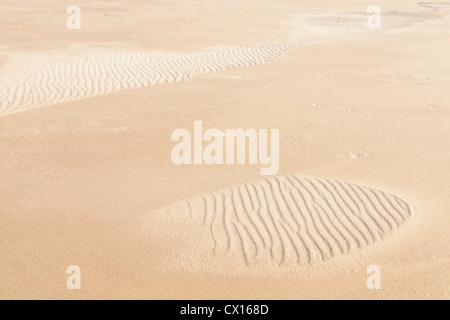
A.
pixel 85 151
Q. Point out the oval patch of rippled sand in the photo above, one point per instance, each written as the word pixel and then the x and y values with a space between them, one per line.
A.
pixel 287 220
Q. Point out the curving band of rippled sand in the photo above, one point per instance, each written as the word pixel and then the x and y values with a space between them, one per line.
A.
pixel 29 81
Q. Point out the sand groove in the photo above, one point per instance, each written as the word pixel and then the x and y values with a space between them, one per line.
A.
pixel 291 219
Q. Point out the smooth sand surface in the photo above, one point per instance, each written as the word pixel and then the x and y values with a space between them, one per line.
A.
pixel 86 118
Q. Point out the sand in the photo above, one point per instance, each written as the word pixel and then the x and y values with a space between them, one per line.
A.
pixel 286 220
pixel 87 179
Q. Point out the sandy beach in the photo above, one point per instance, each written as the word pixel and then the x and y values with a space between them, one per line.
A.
pixel 361 166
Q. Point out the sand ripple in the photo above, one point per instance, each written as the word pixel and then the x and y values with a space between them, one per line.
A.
pixel 33 81
pixel 29 81
pixel 294 220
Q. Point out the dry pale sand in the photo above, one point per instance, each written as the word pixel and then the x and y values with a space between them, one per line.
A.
pixel 87 178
